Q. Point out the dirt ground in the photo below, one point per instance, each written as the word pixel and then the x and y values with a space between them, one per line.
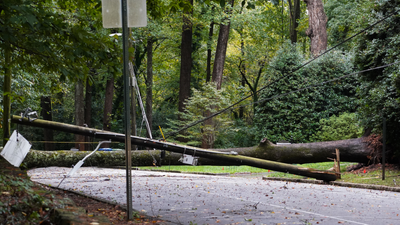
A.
pixel 115 214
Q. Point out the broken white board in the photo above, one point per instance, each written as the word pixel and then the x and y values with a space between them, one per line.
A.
pixel 16 149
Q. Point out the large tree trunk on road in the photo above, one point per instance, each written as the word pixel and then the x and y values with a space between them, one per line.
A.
pixel 231 157
pixel 352 150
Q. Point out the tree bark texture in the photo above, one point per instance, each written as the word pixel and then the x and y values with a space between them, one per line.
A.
pixel 7 93
pixel 231 158
pixel 351 150
pixel 209 52
pixel 79 113
pixel 108 104
pixel 316 26
pixel 220 54
pixel 149 83
pixel 88 109
pixel 294 9
pixel 242 68
pixel 47 114
pixel 186 60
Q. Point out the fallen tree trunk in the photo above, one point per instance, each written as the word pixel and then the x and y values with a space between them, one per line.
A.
pixel 352 150
pixel 230 157
pixel 36 158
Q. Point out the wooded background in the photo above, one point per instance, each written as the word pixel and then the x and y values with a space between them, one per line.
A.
pixel 196 58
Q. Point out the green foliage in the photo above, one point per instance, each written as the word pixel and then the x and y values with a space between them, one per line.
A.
pixel 379 92
pixel 19 203
pixel 239 134
pixel 208 99
pixel 346 18
pixel 342 127
pixel 296 116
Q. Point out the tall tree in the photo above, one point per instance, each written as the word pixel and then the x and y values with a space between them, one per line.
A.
pixel 149 83
pixel 317 26
pixel 186 58
pixel 220 53
pixel 79 113
pixel 294 10
pixel 47 114
pixel 108 103
pixel 217 74
pixel 49 37
pixel 7 92
pixel 209 52
pixel 88 107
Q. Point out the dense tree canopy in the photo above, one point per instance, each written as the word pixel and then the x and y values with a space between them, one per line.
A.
pixel 47 46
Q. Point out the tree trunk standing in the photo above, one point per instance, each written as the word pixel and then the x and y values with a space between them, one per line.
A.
pixel 149 83
pixel 186 64
pixel 47 114
pixel 243 71
pixel 108 105
pixel 294 18
pixel 88 110
pixel 79 113
pixel 218 70
pixel 7 92
pixel 186 60
pixel 220 54
pixel 209 52
pixel 316 26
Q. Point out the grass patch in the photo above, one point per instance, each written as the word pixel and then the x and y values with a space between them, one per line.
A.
pixel 208 169
pixel 243 169
pixel 317 166
pixel 374 177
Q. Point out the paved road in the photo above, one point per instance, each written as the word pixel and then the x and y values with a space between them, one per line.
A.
pixel 203 199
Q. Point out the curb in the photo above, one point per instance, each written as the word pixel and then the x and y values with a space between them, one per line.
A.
pixel 336 183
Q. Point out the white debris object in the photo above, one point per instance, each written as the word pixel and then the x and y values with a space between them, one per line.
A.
pixel 16 149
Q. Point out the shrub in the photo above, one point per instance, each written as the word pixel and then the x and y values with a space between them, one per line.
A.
pixel 344 126
pixel 296 116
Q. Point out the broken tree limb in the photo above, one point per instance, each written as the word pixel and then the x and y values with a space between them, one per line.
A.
pixel 215 155
pixel 351 150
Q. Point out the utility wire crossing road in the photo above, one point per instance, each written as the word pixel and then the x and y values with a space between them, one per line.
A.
pixel 202 199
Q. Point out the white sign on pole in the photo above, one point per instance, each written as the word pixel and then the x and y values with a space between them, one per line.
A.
pixel 111 11
pixel 16 149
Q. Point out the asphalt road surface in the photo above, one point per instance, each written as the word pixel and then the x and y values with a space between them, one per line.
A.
pixel 203 199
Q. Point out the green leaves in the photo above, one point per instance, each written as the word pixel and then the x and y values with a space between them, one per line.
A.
pixel 296 116
pixel 342 127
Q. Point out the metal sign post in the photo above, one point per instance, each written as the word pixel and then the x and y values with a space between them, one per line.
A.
pixel 127 113
pixel 117 14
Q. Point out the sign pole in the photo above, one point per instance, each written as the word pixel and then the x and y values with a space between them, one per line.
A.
pixel 128 160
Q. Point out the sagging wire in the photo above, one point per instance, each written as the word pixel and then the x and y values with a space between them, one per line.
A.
pixel 317 85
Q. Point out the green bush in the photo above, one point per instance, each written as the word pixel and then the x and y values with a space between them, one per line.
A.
pixel 296 116
pixel 342 127
pixel 207 98
pixel 379 92
pixel 240 134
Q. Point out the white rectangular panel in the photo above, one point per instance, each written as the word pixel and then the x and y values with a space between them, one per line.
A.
pixel 112 17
